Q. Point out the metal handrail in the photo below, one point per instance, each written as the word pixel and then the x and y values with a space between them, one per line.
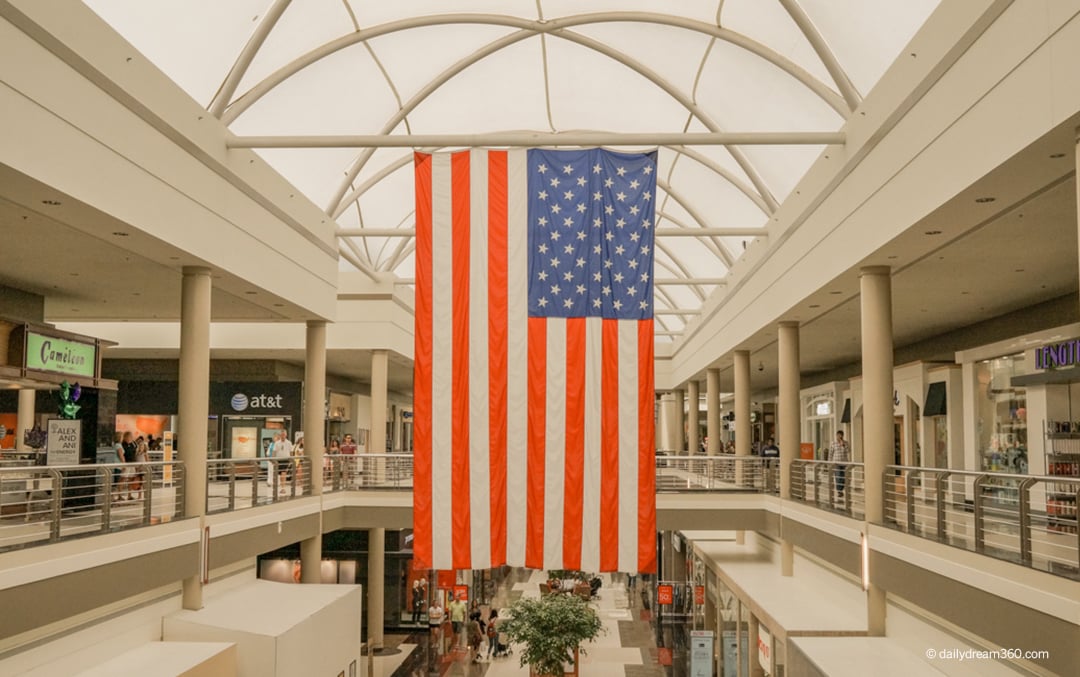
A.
pixel 1026 519
pixel 818 483
pixel 239 483
pixel 721 473
pixel 367 471
pixel 45 504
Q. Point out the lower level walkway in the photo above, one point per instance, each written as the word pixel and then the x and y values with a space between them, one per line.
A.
pixel 629 644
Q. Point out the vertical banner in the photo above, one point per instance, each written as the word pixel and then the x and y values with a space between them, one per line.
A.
pixel 64 442
pixel 665 594
pixel 167 456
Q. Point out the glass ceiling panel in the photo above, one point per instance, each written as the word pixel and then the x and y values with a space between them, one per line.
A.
pixel 592 91
pixel 165 31
pixel 674 53
pixel 342 94
pixel 373 12
pixel 302 27
pixel 701 10
pixel 746 93
pixel 491 95
pixel 770 24
pixel 866 37
pixel 415 57
pixel 361 90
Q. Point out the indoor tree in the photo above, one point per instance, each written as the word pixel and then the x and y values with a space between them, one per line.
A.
pixel 550 630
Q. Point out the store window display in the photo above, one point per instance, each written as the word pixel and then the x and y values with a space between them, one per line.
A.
pixel 1002 415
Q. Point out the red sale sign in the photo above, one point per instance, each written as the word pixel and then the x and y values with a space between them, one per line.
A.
pixel 699 594
pixel 664 594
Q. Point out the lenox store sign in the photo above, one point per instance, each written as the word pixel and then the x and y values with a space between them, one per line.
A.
pixel 1064 354
pixel 255 399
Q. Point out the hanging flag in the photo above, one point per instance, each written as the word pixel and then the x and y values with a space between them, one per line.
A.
pixel 533 382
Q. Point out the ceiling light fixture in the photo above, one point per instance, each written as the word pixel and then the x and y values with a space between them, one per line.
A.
pixel 52 203
pixel 252 293
pixel 933 232
pixel 985 200
pixel 815 305
pixel 835 292
pixel 119 233
pixel 1056 156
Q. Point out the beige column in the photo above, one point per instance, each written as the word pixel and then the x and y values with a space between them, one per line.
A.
pixel 25 418
pixel 377 537
pixel 194 405
pixel 875 286
pixel 789 423
pixel 712 410
pixel 376 579
pixel 693 401
pixel 743 433
pixel 314 439
pixel 680 422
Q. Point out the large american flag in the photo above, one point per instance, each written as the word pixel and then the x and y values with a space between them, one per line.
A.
pixel 533 383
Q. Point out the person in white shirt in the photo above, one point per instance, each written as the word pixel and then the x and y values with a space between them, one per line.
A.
pixel 283 450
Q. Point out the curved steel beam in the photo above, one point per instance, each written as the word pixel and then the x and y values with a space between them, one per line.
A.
pixel 336 206
pixel 817 41
pixel 247 55
pixel 535 27
pixel 725 255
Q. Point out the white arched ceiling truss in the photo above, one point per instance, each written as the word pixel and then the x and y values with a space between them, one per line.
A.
pixel 778 38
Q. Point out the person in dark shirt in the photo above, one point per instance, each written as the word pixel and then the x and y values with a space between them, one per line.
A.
pixel 127 443
pixel 770 450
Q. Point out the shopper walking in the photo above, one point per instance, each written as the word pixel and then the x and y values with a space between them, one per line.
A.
pixel 457 617
pixel 126 477
pixel 436 615
pixel 283 459
pixel 476 635
pixel 840 453
pixel 493 633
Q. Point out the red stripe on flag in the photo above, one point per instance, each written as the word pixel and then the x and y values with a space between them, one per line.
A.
pixel 646 451
pixel 422 367
pixel 609 447
pixel 534 501
pixel 497 341
pixel 462 537
pixel 574 481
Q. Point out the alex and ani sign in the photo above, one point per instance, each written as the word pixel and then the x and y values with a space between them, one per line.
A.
pixel 60 356
pixel 1064 354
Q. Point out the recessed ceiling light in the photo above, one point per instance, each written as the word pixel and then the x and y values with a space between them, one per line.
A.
pixel 815 305
pixel 119 233
pixel 251 293
pixel 836 291
pixel 279 305
pixel 174 258
pixel 1055 156
pixel 932 232
pixel 73 274
pixel 52 203
pixel 984 200
pixel 965 292
pixel 893 256
pixel 136 293
pixel 1019 270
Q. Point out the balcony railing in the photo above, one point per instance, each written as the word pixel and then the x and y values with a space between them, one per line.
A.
pixel 342 472
pixel 1026 519
pixel 46 504
pixel 830 485
pixel 717 473
pixel 238 483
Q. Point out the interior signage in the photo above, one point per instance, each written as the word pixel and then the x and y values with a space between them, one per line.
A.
pixel 64 442
pixel 241 402
pixel 60 356
pixel 764 650
pixel 1064 354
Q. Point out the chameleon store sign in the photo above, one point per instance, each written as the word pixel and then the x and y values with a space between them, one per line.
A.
pixel 60 356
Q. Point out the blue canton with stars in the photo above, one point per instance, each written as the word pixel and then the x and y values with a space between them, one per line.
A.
pixel 591 221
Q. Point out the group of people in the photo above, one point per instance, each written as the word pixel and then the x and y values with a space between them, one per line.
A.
pixel 476 628
pixel 345 446
pixel 286 455
pixel 128 481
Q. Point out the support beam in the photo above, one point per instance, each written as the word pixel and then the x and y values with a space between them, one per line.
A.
pixel 690 282
pixel 314 439
pixel 693 401
pixel 675 311
pixel 532 139
pixel 712 411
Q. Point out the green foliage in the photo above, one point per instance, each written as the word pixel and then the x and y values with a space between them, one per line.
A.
pixel 549 629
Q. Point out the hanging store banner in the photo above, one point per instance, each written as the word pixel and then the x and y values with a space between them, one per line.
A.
pixel 699 594
pixel 665 594
pixel 764 650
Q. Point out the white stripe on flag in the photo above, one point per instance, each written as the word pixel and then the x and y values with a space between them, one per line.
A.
pixel 479 441
pixel 590 531
pixel 517 345
pixel 628 445
pixel 441 362
pixel 555 443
